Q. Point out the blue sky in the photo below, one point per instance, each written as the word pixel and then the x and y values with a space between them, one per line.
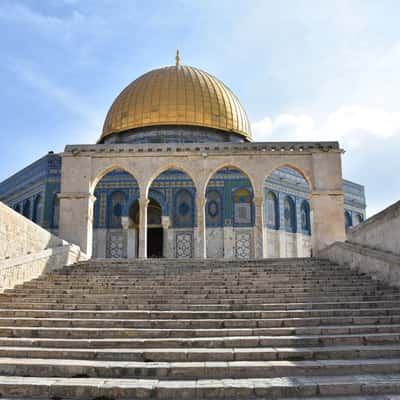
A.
pixel 304 70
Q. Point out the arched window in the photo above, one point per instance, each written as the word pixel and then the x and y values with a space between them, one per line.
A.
pixel 56 211
pixel 214 216
pixel 272 211
pixel 26 212
pixel 116 206
pixel 358 219
pixel 38 209
pixel 347 220
pixel 17 208
pixel 183 210
pixel 305 217
pixel 290 214
pixel 242 206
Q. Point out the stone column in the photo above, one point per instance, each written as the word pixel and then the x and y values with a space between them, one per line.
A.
pixel 328 219
pixel 259 227
pixel 282 231
pixel 127 225
pixel 200 250
pixel 165 222
pixel 143 202
pixel 76 220
pixel 327 200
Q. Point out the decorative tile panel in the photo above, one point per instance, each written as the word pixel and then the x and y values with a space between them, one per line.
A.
pixel 116 247
pixel 184 245
pixel 243 244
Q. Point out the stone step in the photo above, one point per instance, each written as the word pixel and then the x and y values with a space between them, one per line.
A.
pixel 207 342
pixel 206 288
pixel 206 354
pixel 193 370
pixel 219 286
pixel 197 323
pixel 283 306
pixel 243 300
pixel 171 314
pixel 54 332
pixel 255 388
pixel 210 329
pixel 170 281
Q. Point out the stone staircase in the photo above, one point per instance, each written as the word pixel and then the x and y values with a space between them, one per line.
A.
pixel 173 329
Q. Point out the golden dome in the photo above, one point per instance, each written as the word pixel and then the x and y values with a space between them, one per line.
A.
pixel 177 95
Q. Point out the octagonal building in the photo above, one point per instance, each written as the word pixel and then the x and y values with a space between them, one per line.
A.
pixel 175 174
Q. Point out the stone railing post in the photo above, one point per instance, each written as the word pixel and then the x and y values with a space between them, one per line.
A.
pixel 143 202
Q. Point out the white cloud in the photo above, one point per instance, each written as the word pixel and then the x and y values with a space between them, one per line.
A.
pixel 347 124
pixel 370 136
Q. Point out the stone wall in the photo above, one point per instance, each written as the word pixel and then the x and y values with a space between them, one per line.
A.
pixel 378 264
pixel 372 247
pixel 19 236
pixel 27 250
pixel 381 232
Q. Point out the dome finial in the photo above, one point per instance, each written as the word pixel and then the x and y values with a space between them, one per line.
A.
pixel 177 58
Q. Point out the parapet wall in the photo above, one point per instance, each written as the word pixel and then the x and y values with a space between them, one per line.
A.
pixel 19 236
pixel 28 251
pixel 373 247
pixel 380 232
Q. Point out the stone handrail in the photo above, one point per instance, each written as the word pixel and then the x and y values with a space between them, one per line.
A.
pixel 18 270
pixel 380 232
pixel 27 250
pixel 380 265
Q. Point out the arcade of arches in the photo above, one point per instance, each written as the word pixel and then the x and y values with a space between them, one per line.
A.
pixel 238 210
pixel 229 215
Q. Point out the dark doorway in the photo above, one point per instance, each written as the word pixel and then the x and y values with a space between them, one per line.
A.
pixel 154 242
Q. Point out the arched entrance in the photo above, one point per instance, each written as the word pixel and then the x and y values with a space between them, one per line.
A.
pixel 171 215
pixel 155 236
pixel 229 214
pixel 287 214
pixel 114 235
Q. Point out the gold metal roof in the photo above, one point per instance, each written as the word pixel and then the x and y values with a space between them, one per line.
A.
pixel 177 95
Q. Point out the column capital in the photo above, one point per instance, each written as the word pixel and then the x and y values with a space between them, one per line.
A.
pixel 126 223
pixel 165 221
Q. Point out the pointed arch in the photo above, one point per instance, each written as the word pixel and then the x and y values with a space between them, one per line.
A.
pixel 289 214
pixel 169 167
pixel 55 211
pixel 105 171
pixel 37 209
pixel 295 168
pixel 26 209
pixel 116 206
pixel 113 192
pixel 305 218
pixel 214 208
pixel 237 195
pixel 228 166
pixel 348 220
pixel 272 210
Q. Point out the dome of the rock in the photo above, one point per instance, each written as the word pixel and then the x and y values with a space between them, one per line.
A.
pixel 177 96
